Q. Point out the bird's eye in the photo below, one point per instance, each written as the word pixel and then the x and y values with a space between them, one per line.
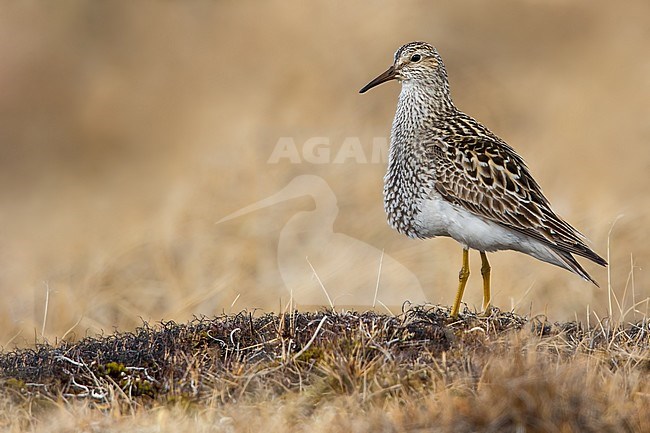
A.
pixel 416 58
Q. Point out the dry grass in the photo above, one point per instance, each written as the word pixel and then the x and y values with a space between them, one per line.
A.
pixel 124 142
pixel 128 130
pixel 345 371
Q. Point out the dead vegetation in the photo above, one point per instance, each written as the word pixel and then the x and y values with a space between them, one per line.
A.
pixel 338 371
pixel 130 128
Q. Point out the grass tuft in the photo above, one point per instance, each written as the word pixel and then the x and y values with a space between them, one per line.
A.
pixel 349 371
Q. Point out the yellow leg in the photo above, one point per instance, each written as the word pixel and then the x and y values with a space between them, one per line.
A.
pixel 463 275
pixel 485 272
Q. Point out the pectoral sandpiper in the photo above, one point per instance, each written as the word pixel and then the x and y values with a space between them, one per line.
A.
pixel 448 175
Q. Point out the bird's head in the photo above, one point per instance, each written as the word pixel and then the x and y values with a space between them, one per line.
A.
pixel 415 61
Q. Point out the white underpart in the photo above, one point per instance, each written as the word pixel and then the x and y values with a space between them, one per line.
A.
pixel 441 218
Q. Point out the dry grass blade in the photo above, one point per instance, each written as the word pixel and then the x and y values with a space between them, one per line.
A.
pixel 418 370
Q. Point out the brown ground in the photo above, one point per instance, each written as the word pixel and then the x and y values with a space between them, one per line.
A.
pixel 128 130
pixel 339 371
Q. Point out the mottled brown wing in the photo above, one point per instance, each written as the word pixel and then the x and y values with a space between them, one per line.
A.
pixel 488 178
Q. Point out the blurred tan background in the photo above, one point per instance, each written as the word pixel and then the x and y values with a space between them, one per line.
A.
pixel 127 130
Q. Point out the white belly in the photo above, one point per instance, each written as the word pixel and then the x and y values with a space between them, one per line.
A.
pixel 440 218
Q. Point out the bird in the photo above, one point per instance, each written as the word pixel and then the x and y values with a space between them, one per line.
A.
pixel 449 175
pixel 317 263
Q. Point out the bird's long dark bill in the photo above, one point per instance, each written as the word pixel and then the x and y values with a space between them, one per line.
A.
pixel 390 74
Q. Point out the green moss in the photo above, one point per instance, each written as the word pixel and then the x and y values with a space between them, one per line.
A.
pixel 144 387
pixel 313 354
pixel 115 370
pixel 15 384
